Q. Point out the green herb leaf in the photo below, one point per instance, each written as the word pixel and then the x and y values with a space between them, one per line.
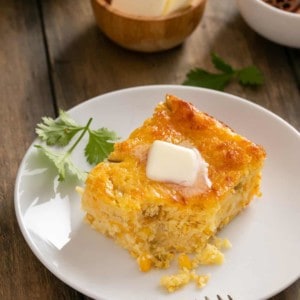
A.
pixel 61 131
pixel 250 76
pixel 218 81
pixel 202 78
pixel 220 64
pixel 57 132
pixel 63 163
pixel 100 144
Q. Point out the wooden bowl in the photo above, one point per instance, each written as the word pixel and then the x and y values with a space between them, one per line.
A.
pixel 147 34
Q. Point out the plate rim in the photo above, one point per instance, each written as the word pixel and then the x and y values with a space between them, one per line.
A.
pixel 33 247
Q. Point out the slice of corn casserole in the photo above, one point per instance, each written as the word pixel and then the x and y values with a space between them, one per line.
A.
pixel 156 220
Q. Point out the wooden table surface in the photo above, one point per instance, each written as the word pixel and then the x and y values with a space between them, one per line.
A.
pixel 52 55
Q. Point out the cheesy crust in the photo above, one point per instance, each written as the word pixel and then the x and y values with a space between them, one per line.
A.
pixel 155 221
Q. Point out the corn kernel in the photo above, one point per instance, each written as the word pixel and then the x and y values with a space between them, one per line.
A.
pixel 184 262
pixel 144 262
pixel 221 243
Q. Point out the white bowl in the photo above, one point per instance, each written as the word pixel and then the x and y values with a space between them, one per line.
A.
pixel 274 24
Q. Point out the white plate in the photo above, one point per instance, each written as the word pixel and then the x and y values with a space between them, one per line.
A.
pixel 265 237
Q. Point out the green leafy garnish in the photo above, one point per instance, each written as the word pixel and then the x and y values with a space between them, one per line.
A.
pixel 220 64
pixel 250 75
pixel 97 148
pixel 57 132
pixel 60 132
pixel 63 163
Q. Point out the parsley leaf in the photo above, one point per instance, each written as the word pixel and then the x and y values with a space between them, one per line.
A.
pixel 61 131
pixel 202 78
pixel 220 64
pixel 99 145
pixel 218 81
pixel 63 163
pixel 57 132
pixel 250 75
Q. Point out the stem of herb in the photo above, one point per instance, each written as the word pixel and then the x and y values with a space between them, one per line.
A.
pixel 81 136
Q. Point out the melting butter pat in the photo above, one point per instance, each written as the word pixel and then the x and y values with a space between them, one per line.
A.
pixel 174 5
pixel 172 163
pixel 149 8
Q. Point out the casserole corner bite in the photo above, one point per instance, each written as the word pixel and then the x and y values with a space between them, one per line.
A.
pixel 157 221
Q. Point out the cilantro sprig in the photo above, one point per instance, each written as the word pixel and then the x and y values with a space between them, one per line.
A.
pixel 61 131
pixel 248 76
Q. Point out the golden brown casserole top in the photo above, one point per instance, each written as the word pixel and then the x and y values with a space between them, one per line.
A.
pixel 122 179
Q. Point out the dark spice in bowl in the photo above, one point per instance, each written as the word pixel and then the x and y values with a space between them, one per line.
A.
pixel 286 5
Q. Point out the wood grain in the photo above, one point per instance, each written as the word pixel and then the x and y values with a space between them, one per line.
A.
pixel 78 49
pixel 294 56
pixel 25 96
